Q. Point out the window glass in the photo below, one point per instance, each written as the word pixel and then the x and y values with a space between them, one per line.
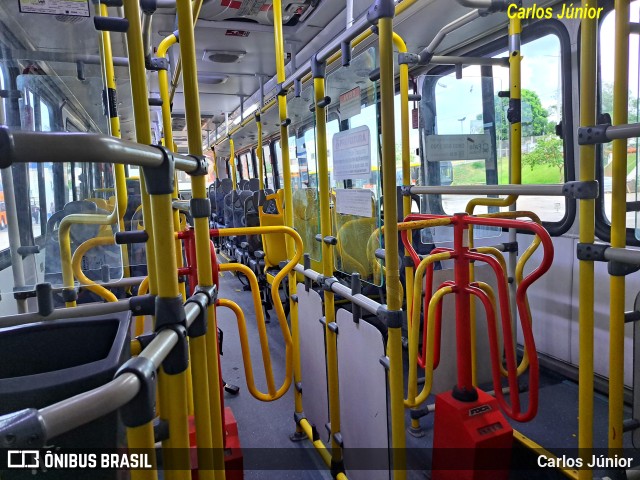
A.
pixel 278 152
pixel 607 44
pixel 4 236
pixel 244 166
pixel 457 111
pixel 268 167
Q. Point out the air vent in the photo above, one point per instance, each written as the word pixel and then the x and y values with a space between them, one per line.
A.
pixel 223 56
pixel 212 79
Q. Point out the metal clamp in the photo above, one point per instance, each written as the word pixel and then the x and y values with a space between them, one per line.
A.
pixel 170 314
pixel 381 9
pixel 203 167
pixel 160 179
pixel 111 24
pixel 405 58
pixel 621 269
pixel 69 294
pixel 155 64
pixel 587 190
pixel 307 265
pixel 286 122
pixel 44 296
pixel 327 282
pixel 325 102
pixel 345 49
pixel 593 135
pixel 318 68
pixel 142 408
pixel 591 252
pixel 392 318
pixel 199 326
pixel 155 102
pixel 281 91
pixel 200 207
pixel 514 112
pixel 330 240
pixel 22 429
pixel 510 247
pixel 143 305
pixel 405 190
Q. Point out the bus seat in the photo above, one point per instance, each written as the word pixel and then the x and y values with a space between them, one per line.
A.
pixel 254 184
pixel 271 214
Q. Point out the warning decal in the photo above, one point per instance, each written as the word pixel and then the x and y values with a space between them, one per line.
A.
pixel 74 8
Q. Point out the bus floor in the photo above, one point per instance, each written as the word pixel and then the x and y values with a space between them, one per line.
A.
pixel 264 428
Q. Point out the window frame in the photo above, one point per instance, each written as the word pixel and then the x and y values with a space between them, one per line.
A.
pixel 535 31
pixel 603 225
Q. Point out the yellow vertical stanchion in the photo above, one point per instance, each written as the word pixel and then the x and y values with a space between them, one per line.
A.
pixel 384 12
pixel 114 120
pixel 142 436
pixel 288 200
pixel 260 153
pixel 209 428
pixel 318 72
pixel 139 94
pixel 588 95
pixel 232 161
pixel 618 226
pixel 163 87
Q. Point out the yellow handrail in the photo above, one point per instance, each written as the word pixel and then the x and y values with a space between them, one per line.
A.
pixel 76 265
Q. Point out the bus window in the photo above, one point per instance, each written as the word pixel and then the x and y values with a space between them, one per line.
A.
pixel 278 153
pixel 268 168
pixel 458 112
pixel 244 166
pixel 605 155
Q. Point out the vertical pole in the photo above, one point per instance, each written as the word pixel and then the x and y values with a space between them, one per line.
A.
pixel 588 95
pixel 318 70
pixel 288 198
pixel 212 437
pixel 392 273
pixel 140 97
pixel 232 160
pixel 260 153
pixel 618 225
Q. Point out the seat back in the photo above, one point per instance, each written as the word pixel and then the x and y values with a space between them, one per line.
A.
pixel 254 184
pixel 271 213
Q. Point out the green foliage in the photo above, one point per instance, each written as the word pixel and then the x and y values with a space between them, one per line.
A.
pixel 607 102
pixel 547 152
pixel 534 116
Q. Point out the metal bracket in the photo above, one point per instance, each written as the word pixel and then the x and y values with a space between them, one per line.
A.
pixel 329 240
pixel 405 190
pixel 69 294
pixel 307 266
pixel 510 247
pixel 333 326
pixel 587 190
pixel 374 75
pixel 408 58
pixel 143 305
pixel 202 298
pixel 414 97
pixel 281 91
pixel 391 318
pixel 384 361
pixel 514 112
pixel 44 296
pixel 324 103
pixel 160 179
pixel 297 88
pixel 11 94
pixel 286 122
pixel 593 135
pixel 170 314
pixel 111 24
pixel 318 68
pixel 327 282
pixel 200 207
pixel 381 9
pixel 155 102
pixel 22 429
pixel 620 269
pixel 591 252
pixel 203 167
pixel 142 408
pixel 380 254
pixel 345 49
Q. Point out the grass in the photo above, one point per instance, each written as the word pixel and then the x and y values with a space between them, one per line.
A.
pixel 474 173
pixel 631 164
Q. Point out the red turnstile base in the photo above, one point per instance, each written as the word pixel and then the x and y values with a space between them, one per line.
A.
pixel 472 440
pixel 232 452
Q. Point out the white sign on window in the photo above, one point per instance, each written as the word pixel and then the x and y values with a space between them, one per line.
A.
pixel 74 8
pixel 352 154
pixel 355 201
pixel 440 148
pixel 350 104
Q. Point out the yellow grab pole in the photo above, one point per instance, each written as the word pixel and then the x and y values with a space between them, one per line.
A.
pixel 211 436
pixel 140 98
pixel 331 345
pixel 141 438
pixel 232 160
pixel 76 264
pixel 588 95
pixel 288 198
pixel 618 225
pixel 392 272
pixel 195 8
pixel 260 153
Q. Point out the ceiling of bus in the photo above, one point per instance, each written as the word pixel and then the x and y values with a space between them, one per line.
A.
pixel 49 39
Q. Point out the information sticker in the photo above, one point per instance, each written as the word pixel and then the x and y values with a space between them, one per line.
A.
pixel 73 8
pixel 356 201
pixel 350 104
pixel 352 154
pixel 440 148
